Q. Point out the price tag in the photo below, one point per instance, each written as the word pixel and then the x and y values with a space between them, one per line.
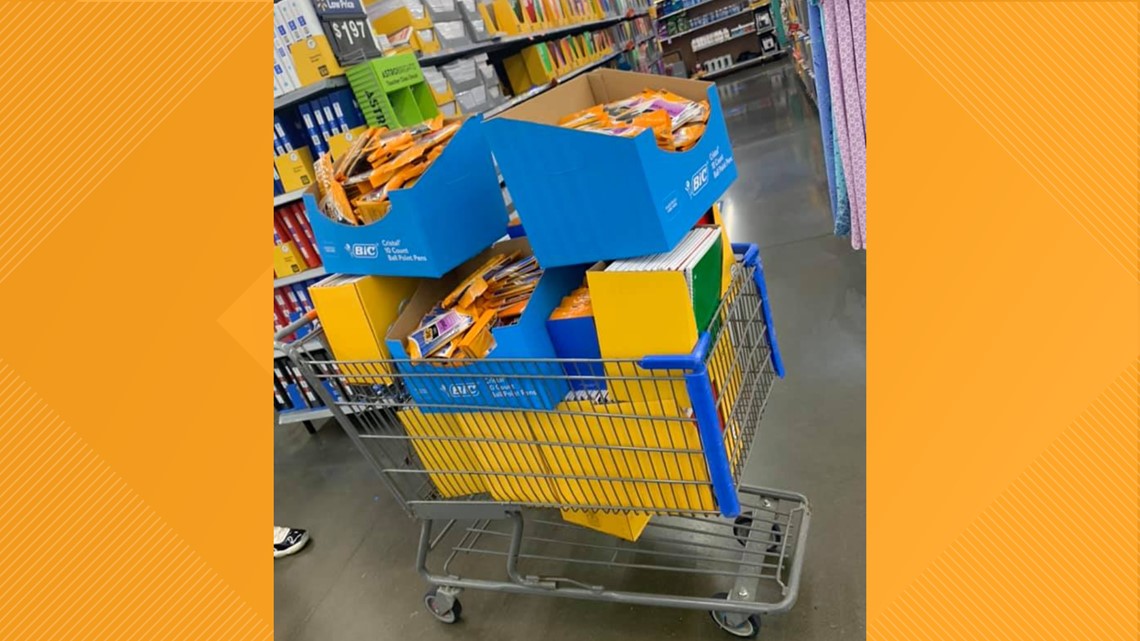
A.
pixel 351 39
pixel 333 8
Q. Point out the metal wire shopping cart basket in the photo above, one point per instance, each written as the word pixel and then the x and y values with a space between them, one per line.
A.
pixel 503 460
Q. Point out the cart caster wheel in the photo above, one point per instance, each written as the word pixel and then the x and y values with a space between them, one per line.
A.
pixel 433 601
pixel 747 629
pixel 740 529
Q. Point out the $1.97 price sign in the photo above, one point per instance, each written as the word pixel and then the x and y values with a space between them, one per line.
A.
pixel 351 39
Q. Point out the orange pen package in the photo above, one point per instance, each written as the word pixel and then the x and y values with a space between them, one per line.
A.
pixel 355 189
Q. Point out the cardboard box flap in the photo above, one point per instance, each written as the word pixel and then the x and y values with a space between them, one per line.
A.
pixel 546 108
pixel 597 87
pixel 611 84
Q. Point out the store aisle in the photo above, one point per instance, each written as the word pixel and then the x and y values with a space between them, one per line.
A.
pixel 356 580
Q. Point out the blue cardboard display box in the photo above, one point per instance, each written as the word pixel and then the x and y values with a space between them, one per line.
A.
pixel 453 212
pixel 586 196
pixel 499 380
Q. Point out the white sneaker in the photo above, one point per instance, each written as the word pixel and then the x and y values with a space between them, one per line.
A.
pixel 288 541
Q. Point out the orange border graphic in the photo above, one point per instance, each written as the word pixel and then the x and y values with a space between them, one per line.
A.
pixel 136 456
pixel 1002 440
pixel 1002 321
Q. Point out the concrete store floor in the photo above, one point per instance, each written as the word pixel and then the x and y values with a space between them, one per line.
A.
pixel 356 580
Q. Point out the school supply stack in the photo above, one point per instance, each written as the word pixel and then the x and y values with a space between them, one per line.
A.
pixel 495 295
pixel 304 131
pixel 541 63
pixel 291 302
pixel 294 245
pixel 677 123
pixel 324 118
pixel 355 190
pixel 291 391
pixel 611 363
pixel 301 52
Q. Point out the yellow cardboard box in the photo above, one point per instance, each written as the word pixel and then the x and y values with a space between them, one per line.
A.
pixel 356 312
pixel 624 525
pixel 517 75
pixel 295 169
pixel 506 20
pixel 539 63
pixel 398 19
pixel 314 60
pixel 517 471
pixel 638 446
pixel 447 458
pixel 287 260
pixel 619 299
pixel 425 41
pixel 442 97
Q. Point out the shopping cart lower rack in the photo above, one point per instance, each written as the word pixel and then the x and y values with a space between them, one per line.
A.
pixel 649 450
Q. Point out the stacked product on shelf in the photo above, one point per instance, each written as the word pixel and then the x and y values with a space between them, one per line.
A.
pixel 301 51
pixel 465 86
pixel 294 245
pixel 746 35
pixel 470 51
pixel 795 17
pixel 540 64
pixel 436 27
pixel 291 302
pixel 305 130
pixel 291 391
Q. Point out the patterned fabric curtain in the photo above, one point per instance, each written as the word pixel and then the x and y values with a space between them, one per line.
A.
pixel 845 42
pixel 836 185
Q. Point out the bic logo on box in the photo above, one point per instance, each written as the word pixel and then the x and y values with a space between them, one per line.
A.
pixel 695 184
pixel 363 250
pixel 461 390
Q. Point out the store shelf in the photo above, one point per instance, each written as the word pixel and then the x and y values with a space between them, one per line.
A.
pixel 523 97
pixel 308 91
pixel 444 57
pixel 707 24
pixel 747 33
pixel 692 6
pixel 316 272
pixel 285 199
pixel 741 65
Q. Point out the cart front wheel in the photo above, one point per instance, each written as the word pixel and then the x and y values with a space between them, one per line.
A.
pixel 437 605
pixel 742 525
pixel 745 629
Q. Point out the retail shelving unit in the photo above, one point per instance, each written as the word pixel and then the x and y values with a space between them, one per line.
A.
pixel 496 48
pixel 796 18
pixel 717 32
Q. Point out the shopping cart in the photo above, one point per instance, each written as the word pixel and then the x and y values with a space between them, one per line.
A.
pixel 498 475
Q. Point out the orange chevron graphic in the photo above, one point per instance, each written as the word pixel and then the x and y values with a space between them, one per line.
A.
pixel 1001 312
pixel 83 555
pixel 130 211
pixel 1067 119
pixel 125 83
pixel 1055 556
